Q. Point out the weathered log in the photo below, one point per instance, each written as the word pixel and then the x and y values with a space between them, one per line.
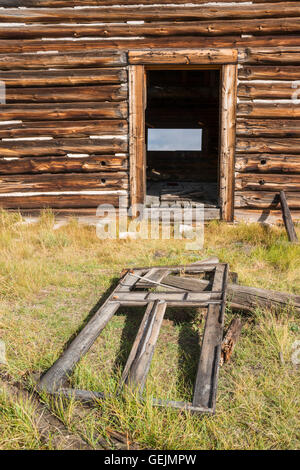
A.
pixel 60 200
pixel 63 164
pixel 256 90
pixel 68 3
pixel 96 58
pixel 75 129
pixel 64 111
pixel 268 72
pixel 267 182
pixel 186 56
pixel 265 200
pixel 206 28
pixel 268 110
pixel 69 77
pixel 266 216
pixel 146 13
pixel 27 148
pixel 63 182
pixel 279 55
pixel 287 218
pixel 268 145
pixel 33 45
pixel 267 163
pixel 66 94
pixel 268 127
pixel 230 339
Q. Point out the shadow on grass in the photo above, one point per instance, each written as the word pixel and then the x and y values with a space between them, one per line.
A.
pixel 188 342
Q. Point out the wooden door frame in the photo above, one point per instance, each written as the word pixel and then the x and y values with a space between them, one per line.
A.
pixel 139 62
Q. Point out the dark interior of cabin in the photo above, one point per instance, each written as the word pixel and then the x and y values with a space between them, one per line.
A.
pixel 182 132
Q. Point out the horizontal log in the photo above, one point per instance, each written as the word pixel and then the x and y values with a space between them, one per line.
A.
pixel 67 94
pixel 101 163
pixel 39 45
pixel 269 72
pixel 65 129
pixel 206 28
pixel 268 127
pixel 59 201
pixel 80 111
pixel 268 110
pixel 269 216
pixel 267 182
pixel 63 182
pixel 68 3
pixel 27 148
pixel 248 298
pixel 278 55
pixel 265 200
pixel 267 163
pixel 255 90
pixel 97 58
pixel 146 13
pixel 185 56
pixel 268 145
pixel 64 77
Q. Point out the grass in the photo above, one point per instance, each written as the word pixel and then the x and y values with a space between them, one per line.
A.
pixel 51 279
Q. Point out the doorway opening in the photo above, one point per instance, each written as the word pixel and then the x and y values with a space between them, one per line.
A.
pixel 182 132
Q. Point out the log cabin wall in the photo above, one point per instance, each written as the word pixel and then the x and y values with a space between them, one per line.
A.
pixel 64 127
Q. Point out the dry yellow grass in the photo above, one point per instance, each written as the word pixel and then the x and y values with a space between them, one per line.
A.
pixel 50 280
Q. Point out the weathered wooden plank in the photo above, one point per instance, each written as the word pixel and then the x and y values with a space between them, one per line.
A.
pixel 206 28
pixel 268 145
pixel 59 200
pixel 96 58
pixel 77 129
pixel 187 284
pixel 64 111
pixel 68 77
pixel 230 339
pixel 139 297
pixel 185 56
pixel 267 182
pixel 227 140
pixel 207 374
pixel 138 364
pixel 284 90
pixel 62 182
pixel 265 200
pixel 268 127
pixel 269 72
pixel 154 274
pixel 287 219
pixel 267 163
pixel 268 110
pixel 30 148
pixel 132 355
pixel 146 13
pixel 137 104
pixel 67 94
pixel 89 164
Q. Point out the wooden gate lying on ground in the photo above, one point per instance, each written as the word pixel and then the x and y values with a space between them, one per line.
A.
pixel 155 288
